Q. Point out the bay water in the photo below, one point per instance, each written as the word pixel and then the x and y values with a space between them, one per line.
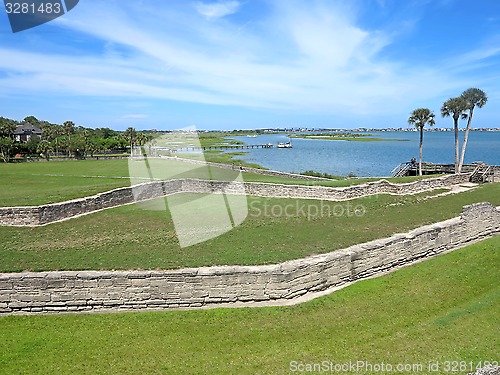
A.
pixel 363 159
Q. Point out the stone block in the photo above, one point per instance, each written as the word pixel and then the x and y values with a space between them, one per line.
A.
pixel 82 284
pixel 105 283
pixel 5 285
pixel 57 283
pixel 15 305
pixel 61 297
pixel 56 308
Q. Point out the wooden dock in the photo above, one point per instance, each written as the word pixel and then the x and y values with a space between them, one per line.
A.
pixel 481 172
pixel 221 147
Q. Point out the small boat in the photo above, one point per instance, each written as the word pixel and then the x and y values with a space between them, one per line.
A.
pixel 285 145
pixel 252 136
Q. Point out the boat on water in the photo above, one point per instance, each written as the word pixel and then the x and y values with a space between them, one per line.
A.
pixel 285 145
pixel 252 136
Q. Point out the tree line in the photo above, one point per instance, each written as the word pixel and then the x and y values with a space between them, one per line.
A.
pixel 460 107
pixel 66 139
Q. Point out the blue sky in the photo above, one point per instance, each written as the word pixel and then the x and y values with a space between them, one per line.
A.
pixel 251 63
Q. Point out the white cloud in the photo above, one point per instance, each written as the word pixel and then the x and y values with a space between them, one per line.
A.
pixel 302 58
pixel 218 9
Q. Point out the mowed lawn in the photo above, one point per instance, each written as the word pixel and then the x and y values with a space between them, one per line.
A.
pixel 275 230
pixel 29 184
pixel 443 309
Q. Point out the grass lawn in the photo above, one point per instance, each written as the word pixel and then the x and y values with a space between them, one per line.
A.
pixel 129 237
pixel 27 184
pixel 443 309
pixel 56 181
pixel 251 177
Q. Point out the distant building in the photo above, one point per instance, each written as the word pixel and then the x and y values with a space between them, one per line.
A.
pixel 24 132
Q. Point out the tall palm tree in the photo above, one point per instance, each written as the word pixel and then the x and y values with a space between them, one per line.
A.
pixel 69 128
pixel 44 147
pixel 455 107
pixel 474 97
pixel 420 117
pixel 131 136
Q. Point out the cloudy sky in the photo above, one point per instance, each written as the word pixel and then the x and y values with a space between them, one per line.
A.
pixel 251 63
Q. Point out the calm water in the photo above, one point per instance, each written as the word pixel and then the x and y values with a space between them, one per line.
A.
pixel 369 158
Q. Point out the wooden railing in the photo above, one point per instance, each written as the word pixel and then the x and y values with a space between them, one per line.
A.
pixel 482 173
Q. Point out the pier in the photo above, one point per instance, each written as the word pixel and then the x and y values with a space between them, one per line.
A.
pixel 222 147
pixel 480 172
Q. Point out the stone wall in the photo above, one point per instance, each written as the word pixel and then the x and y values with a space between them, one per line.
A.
pixel 45 214
pixel 496 173
pixel 323 192
pixel 49 213
pixel 45 292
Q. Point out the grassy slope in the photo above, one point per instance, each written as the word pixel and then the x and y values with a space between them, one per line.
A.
pixel 444 309
pixel 250 177
pixel 129 237
pixel 56 181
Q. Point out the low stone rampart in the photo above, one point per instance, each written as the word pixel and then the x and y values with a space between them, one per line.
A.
pixel 322 192
pixel 101 291
pixel 49 213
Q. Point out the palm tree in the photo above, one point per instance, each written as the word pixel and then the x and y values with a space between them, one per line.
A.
pixel 6 145
pixel 69 128
pixel 419 117
pixel 131 136
pixel 44 147
pixel 92 146
pixel 474 97
pixel 455 107
pixel 7 127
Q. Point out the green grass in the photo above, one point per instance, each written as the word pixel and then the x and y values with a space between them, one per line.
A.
pixel 251 177
pixel 228 157
pixel 129 237
pixel 177 140
pixel 444 309
pixel 27 184
pixel 56 181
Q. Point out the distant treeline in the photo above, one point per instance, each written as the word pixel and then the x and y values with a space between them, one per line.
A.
pixel 65 139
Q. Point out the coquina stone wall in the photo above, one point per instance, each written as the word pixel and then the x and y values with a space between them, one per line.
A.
pixel 44 292
pixel 45 214
pixel 496 173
